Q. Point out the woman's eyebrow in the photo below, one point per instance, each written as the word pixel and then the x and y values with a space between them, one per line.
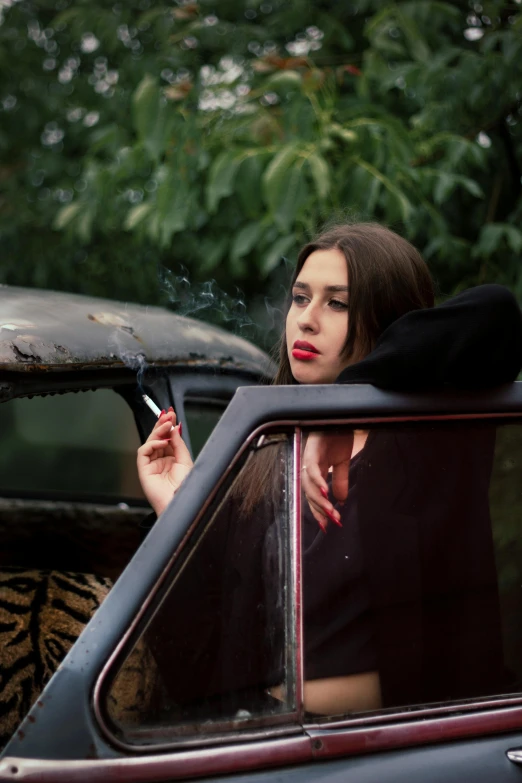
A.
pixel 331 289
pixel 343 289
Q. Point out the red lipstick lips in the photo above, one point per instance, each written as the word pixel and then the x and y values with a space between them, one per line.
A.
pixel 304 351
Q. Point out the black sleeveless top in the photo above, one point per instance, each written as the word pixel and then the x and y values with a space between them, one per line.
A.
pixel 338 624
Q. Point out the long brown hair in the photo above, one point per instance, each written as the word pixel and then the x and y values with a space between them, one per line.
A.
pixel 387 278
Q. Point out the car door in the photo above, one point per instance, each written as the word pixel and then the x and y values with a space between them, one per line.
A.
pixel 197 664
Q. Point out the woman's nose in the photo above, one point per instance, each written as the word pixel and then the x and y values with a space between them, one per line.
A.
pixel 308 320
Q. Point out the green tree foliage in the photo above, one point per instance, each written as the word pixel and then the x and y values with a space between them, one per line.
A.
pixel 219 136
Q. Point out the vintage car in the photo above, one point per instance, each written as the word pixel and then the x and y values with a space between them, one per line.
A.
pixel 152 689
pixel 70 493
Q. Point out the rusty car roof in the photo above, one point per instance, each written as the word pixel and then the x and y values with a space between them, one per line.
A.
pixel 59 331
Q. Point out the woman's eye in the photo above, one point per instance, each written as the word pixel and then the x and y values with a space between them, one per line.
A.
pixel 337 304
pixel 299 299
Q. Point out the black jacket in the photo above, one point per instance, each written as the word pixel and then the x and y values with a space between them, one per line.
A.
pixel 472 341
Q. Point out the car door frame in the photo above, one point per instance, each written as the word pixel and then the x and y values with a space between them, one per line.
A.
pixel 252 412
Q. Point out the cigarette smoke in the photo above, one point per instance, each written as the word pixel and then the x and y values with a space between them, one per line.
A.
pixel 208 302
pixel 137 362
pixel 134 361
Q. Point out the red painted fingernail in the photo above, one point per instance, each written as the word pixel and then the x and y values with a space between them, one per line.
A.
pixel 322 526
pixel 324 492
pixel 162 412
pixel 331 516
pixel 180 430
pixel 171 409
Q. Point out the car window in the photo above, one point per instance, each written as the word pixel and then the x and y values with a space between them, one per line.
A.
pixel 217 652
pixel 410 597
pixel 202 415
pixel 411 590
pixel 69 444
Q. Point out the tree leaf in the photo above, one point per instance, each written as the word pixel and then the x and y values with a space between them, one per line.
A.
pixel 85 222
pixel 212 252
pixel 66 214
pixel 417 45
pixel 320 173
pixel 284 80
pixel 434 246
pixel 371 196
pixel 445 185
pixel 404 204
pixel 292 193
pixel 145 105
pixel 221 178
pixel 174 200
pixel 514 238
pixel 471 186
pixel 136 215
pixel 275 253
pixel 152 119
pixel 245 240
pixel 177 216
pixel 276 172
pixel 490 238
pixel 105 137
pixel 248 183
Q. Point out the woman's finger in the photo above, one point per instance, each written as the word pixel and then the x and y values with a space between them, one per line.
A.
pixel 317 514
pixel 318 496
pixel 312 474
pixel 315 486
pixel 340 454
pixel 149 448
pixel 163 430
pixel 165 417
pixel 325 508
pixel 181 453
pixel 341 480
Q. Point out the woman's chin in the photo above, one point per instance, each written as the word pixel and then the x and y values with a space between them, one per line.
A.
pixel 308 375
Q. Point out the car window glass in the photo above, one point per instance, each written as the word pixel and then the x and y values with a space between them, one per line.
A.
pixel 218 650
pixel 414 597
pixel 202 416
pixel 505 499
pixel 73 443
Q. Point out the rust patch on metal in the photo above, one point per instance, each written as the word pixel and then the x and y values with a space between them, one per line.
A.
pixel 30 348
pixel 6 352
pixel 112 319
pixel 13 363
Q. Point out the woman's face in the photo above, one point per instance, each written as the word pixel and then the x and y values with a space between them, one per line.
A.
pixel 317 322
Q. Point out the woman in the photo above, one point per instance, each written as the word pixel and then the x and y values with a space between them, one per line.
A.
pixel 361 310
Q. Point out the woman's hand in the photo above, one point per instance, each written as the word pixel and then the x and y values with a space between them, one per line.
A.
pixel 322 452
pixel 163 462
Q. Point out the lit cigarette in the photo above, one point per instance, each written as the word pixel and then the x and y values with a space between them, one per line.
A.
pixel 152 405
